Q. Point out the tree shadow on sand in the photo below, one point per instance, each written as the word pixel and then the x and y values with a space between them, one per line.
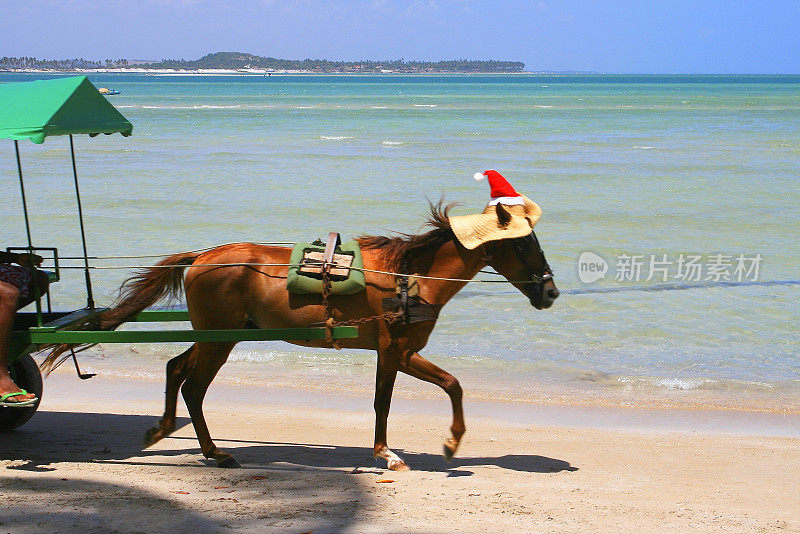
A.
pixel 52 504
pixel 110 438
pixel 56 504
pixel 40 495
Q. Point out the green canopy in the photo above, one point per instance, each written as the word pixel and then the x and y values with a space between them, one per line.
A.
pixel 35 110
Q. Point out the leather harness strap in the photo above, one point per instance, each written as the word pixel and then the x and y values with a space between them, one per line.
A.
pixel 334 240
pixel 520 245
pixel 330 249
pixel 409 308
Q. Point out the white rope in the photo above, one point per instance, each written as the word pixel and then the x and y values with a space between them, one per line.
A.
pixel 363 269
pixel 276 243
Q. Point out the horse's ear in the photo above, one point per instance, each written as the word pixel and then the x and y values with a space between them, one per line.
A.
pixel 503 217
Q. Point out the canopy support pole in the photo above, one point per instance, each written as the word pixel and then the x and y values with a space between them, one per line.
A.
pixel 36 292
pixel 89 296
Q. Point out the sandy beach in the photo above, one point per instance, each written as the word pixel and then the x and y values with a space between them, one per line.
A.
pixel 307 466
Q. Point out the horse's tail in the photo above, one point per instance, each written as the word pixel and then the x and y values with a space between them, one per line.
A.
pixel 147 287
pixel 138 292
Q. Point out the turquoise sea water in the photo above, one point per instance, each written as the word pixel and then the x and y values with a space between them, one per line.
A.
pixel 622 166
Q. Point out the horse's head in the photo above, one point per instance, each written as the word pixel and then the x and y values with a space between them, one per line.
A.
pixel 522 262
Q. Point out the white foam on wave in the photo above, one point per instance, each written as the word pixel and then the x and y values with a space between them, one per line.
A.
pixel 379 107
pixel 336 137
pixel 689 384
pixel 387 142
pixel 425 105
pixel 303 107
pixel 254 356
pixel 682 383
pixel 543 106
pixel 201 106
pixel 643 147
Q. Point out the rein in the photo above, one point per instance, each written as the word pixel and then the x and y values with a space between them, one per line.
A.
pixel 362 269
pixel 520 245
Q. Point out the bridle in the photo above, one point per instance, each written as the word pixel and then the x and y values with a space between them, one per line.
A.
pixel 520 245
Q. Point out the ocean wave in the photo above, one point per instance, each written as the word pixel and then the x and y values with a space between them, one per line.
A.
pixel 702 384
pixel 336 137
pixel 387 142
pixel 198 106
pixel 379 107
pixel 425 105
pixel 644 147
pixel 682 383
pixel 254 356
pixel 201 106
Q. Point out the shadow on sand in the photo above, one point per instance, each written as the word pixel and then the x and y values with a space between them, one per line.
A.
pixel 110 438
pixel 127 489
pixel 59 505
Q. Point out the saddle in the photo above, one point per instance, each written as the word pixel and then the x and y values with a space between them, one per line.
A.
pixel 341 262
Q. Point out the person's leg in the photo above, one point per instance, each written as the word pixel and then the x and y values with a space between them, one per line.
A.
pixel 27 297
pixel 9 299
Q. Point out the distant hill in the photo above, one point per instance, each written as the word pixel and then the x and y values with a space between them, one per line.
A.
pixel 241 60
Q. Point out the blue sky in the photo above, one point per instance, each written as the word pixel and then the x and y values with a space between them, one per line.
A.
pixel 756 36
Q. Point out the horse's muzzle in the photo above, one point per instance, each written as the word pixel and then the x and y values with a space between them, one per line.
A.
pixel 542 296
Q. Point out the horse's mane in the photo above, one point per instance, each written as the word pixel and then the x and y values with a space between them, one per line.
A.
pixel 410 253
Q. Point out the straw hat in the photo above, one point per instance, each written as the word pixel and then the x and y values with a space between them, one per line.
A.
pixel 508 215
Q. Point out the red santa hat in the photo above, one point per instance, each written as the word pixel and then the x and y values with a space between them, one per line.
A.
pixel 502 192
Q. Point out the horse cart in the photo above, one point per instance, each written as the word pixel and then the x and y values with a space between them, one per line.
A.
pixel 67 107
pixel 259 292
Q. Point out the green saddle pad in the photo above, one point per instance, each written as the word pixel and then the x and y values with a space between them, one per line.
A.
pixel 297 282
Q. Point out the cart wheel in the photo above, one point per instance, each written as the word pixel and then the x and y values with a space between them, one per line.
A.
pixel 26 375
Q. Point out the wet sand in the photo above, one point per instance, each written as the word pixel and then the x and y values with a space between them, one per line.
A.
pixel 307 466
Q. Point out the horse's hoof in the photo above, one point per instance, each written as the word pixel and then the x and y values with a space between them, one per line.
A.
pixel 449 449
pixel 227 462
pixel 399 465
pixel 151 437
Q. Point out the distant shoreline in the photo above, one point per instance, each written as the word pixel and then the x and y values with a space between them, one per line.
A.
pixel 258 72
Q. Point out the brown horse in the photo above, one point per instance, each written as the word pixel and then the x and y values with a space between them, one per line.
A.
pixel 231 296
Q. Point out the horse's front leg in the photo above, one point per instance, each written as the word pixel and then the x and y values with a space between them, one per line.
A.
pixel 384 384
pixel 419 367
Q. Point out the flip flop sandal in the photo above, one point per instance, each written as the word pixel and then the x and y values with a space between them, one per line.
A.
pixel 20 404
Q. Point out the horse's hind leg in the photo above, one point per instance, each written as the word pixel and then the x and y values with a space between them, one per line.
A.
pixel 177 370
pixel 210 357
pixel 419 367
